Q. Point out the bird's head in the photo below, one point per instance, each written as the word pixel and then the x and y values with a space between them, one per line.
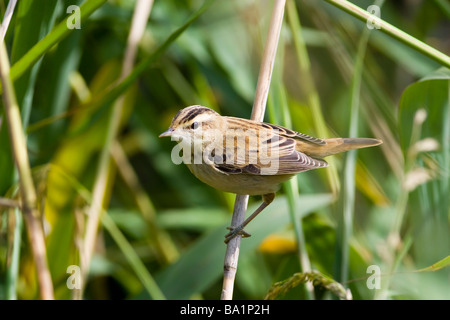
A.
pixel 190 123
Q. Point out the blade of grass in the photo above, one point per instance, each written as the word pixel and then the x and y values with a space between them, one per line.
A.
pixel 28 30
pixel 58 66
pixel 55 36
pixel 292 193
pixel 392 31
pixel 314 277
pixel 423 113
pixel 200 266
pixel 437 266
pixel 27 189
pixel 127 249
pixel 103 167
pixel 140 17
pixel 27 59
pixel 444 6
pixel 278 98
pixel 345 228
pixel 7 18
pixel 12 271
pixel 113 93
pixel 164 243
pixel 312 94
pixel 133 259
pixel 383 121
pixel 291 188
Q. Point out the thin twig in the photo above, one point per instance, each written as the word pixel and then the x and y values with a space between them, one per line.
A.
pixel 259 106
pixel 140 17
pixel 27 189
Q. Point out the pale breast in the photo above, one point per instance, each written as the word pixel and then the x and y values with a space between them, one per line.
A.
pixel 238 183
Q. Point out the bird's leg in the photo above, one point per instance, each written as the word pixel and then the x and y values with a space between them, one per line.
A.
pixel 239 230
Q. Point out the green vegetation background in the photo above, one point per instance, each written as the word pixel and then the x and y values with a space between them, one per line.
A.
pixel 174 223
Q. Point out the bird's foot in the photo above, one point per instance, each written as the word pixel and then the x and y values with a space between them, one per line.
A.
pixel 235 231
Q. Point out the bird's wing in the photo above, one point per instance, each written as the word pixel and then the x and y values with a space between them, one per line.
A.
pixel 294 134
pixel 273 154
pixel 298 162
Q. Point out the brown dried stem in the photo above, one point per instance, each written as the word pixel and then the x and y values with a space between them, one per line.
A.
pixel 27 189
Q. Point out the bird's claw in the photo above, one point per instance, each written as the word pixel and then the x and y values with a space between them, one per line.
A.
pixel 235 231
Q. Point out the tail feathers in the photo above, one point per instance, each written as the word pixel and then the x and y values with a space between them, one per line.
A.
pixel 338 145
pixel 361 142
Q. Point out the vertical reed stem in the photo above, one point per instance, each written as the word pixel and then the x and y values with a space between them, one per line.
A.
pixel 259 106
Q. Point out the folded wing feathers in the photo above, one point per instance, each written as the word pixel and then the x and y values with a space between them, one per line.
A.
pixel 298 162
pixel 311 139
pixel 294 134
pixel 280 145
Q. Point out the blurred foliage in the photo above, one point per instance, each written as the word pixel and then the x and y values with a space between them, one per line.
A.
pixel 280 288
pixel 174 223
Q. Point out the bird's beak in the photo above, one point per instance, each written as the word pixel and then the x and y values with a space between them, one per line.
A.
pixel 167 133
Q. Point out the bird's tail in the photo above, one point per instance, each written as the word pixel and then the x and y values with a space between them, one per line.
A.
pixel 338 145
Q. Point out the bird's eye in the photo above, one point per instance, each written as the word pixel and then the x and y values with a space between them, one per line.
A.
pixel 194 125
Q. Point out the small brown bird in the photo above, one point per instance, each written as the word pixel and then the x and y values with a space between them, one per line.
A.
pixel 248 157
